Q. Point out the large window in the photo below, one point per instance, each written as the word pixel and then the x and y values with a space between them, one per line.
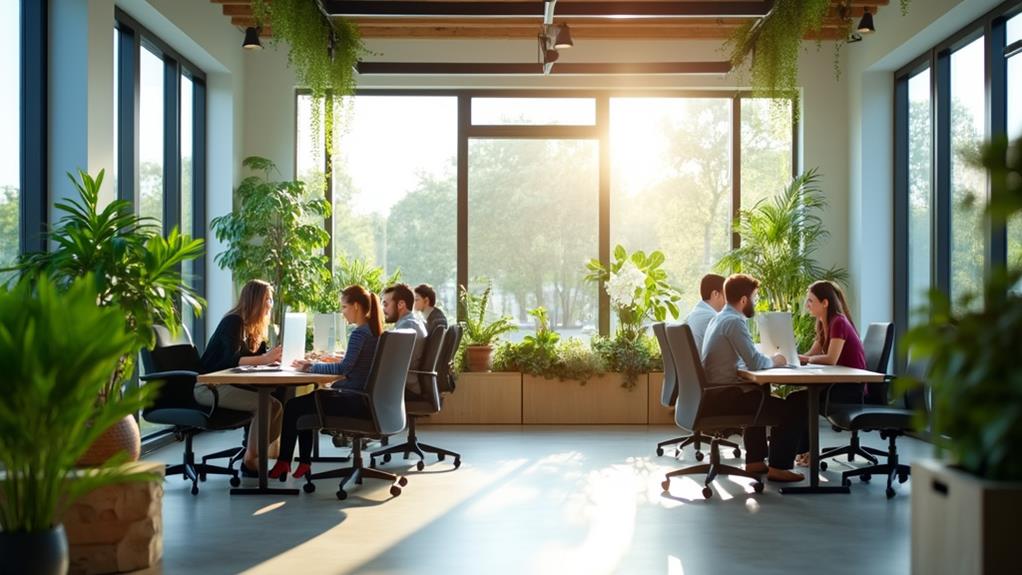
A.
pixel 10 148
pixel 150 136
pixel 1014 33
pixel 920 186
pixel 538 201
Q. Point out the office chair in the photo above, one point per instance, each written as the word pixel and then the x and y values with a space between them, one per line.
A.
pixel 439 349
pixel 892 422
pixel 692 389
pixel 669 396
pixel 376 412
pixel 877 345
pixel 177 365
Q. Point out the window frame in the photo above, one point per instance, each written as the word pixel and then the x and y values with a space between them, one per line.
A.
pixel 33 128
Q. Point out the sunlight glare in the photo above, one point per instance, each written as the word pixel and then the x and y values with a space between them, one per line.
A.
pixel 674 566
pixel 268 508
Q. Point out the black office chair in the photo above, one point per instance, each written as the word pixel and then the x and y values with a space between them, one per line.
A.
pixel 377 412
pixel 692 389
pixel 892 421
pixel 427 402
pixel 177 365
pixel 877 346
pixel 669 396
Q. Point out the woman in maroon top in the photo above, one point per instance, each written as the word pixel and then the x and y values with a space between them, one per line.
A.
pixel 837 343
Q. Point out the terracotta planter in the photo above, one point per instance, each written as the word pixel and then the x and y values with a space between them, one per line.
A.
pixel 479 357
pixel 121 436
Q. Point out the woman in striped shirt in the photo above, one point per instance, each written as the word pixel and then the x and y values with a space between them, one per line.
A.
pixel 362 309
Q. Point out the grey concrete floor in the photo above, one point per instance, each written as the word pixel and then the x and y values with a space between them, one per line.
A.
pixel 532 499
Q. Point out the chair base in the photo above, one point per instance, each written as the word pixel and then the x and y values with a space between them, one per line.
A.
pixel 892 469
pixel 696 439
pixel 713 469
pixel 853 449
pixel 355 474
pixel 414 446
pixel 189 470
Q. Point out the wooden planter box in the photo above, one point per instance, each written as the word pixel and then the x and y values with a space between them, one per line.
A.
pixel 483 397
pixel 962 524
pixel 658 414
pixel 601 400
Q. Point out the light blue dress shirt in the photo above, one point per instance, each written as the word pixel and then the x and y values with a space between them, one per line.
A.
pixel 412 322
pixel 698 319
pixel 728 344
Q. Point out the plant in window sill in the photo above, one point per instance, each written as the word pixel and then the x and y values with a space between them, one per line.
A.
pixel 545 354
pixel 638 290
pixel 480 333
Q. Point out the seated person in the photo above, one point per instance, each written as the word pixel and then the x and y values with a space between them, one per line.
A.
pixel 240 339
pixel 837 343
pixel 711 288
pixel 727 345
pixel 425 304
pixel 397 309
pixel 362 309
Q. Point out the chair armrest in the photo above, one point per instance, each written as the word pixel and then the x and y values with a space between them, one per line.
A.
pixel 168 374
pixel 417 372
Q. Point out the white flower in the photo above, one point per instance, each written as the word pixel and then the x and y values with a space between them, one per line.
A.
pixel 625 286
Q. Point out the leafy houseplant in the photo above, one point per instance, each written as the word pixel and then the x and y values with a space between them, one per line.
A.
pixel 546 355
pixel 629 357
pixel 638 289
pixel 780 236
pixel 273 236
pixel 53 371
pixel 480 333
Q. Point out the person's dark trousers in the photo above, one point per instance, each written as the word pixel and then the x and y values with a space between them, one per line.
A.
pixel 844 393
pixel 335 403
pixel 790 412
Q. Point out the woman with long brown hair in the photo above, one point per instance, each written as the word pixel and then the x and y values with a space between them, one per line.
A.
pixel 240 339
pixel 360 308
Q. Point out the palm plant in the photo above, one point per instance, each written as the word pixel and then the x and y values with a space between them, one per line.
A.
pixel 53 371
pixel 479 331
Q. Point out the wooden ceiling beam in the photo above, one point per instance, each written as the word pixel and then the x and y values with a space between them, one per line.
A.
pixel 581 9
pixel 562 68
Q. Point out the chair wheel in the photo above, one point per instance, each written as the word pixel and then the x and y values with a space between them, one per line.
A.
pixel 202 477
pixel 699 456
pixel 659 451
pixel 420 465
pixel 457 463
pixel 386 458
pixel 309 487
pixel 402 481
pixel 342 494
pixel 865 477
pixel 902 477
pixel 845 482
pixel 666 484
pixel 195 489
pixel 890 492
pixel 372 462
pixel 235 481
pixel 823 466
pixel 737 453
pixel 758 487
pixel 440 457
pixel 707 492
pixel 395 490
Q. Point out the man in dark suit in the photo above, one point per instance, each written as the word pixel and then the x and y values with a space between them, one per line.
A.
pixel 425 303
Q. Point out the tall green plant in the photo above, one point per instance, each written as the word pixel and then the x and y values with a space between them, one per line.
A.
pixel 134 268
pixel 478 329
pixel 349 272
pixel 58 349
pixel 638 289
pixel 273 235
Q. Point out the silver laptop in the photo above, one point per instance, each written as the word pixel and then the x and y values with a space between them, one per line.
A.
pixel 294 339
pixel 777 335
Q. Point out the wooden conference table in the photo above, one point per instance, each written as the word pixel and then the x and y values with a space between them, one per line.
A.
pixel 815 378
pixel 264 382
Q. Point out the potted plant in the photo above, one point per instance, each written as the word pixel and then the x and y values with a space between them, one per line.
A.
pixel 545 354
pixel 328 321
pixel 975 380
pixel 134 268
pixel 273 236
pixel 53 371
pixel 480 333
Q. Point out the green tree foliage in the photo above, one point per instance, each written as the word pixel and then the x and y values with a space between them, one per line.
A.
pixel 10 223
pixel 420 231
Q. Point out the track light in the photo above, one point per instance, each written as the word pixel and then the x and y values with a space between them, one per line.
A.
pixel 562 36
pixel 866 23
pixel 252 39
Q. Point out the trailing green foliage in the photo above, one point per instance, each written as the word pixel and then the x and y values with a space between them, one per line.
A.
pixel 134 268
pixel 479 330
pixel 272 235
pixel 780 236
pixel 638 289
pixel 58 349
pixel 349 272
pixel 630 357
pixel 546 355
pixel 975 376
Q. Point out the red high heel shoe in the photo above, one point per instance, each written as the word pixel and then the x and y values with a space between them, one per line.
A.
pixel 302 470
pixel 280 470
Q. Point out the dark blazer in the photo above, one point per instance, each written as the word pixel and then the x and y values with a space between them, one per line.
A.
pixel 435 318
pixel 227 346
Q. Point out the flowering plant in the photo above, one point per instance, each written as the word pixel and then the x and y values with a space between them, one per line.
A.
pixel 638 289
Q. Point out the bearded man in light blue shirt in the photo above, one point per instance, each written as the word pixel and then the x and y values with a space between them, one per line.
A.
pixel 711 289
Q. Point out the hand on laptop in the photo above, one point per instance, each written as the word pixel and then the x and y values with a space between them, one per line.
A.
pixel 803 359
pixel 301 364
pixel 779 360
pixel 271 356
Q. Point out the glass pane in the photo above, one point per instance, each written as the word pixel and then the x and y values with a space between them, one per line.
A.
pixel 395 189
pixel 766 149
pixel 532 225
pixel 187 189
pixel 112 174
pixel 10 149
pixel 1014 29
pixel 534 111
pixel 671 183
pixel 150 136
pixel 968 183
pixel 1014 133
pixel 920 190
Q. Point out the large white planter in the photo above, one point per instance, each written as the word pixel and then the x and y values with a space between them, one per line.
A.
pixel 961 524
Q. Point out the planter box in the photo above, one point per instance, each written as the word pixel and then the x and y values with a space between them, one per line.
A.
pixel 658 414
pixel 117 528
pixel 601 400
pixel 962 524
pixel 483 397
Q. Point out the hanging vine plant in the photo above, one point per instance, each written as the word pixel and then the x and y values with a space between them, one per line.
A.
pixel 322 51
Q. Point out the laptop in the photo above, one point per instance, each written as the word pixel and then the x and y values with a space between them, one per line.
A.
pixel 294 339
pixel 777 335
